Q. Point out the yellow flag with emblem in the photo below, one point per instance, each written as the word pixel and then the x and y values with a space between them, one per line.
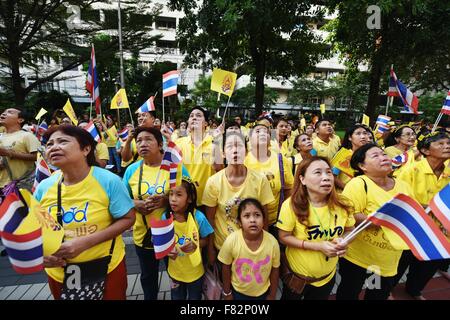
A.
pixel 322 108
pixel 303 123
pixel 365 120
pixel 120 100
pixel 341 161
pixel 223 81
pixel 68 109
pixel 40 113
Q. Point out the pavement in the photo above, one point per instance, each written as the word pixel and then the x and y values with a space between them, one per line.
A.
pixel 14 286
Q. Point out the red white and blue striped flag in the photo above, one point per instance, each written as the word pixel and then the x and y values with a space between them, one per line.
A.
pixel 398 89
pixel 25 251
pixel 147 106
pixel 43 127
pixel 408 219
pixel 440 205
pixel 399 160
pixel 42 173
pixel 93 131
pixel 163 236
pixel 172 157
pixel 123 134
pixel 382 123
pixel 446 106
pixel 169 83
pixel 92 84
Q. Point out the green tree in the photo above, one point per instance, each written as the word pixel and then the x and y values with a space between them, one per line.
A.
pixel 32 31
pixel 245 97
pixel 257 37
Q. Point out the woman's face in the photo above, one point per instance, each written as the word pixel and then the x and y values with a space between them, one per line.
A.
pixel 318 178
pixel 63 150
pixel 376 162
pixel 260 137
pixel 304 143
pixel 234 150
pixel 407 137
pixel 147 145
pixel 282 128
pixel 359 138
pixel 183 126
pixel 309 130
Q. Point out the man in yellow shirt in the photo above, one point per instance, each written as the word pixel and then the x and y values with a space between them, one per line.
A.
pixel 18 148
pixel 110 139
pixel 325 142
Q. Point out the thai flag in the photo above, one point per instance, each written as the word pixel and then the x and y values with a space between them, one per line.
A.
pixel 440 205
pixel 43 127
pixel 383 120
pixel 408 219
pixel 42 173
pixel 409 99
pixel 148 106
pixel 446 106
pixel 399 160
pixel 170 81
pixel 123 134
pixel 93 131
pixel 163 236
pixel 25 251
pixel 92 84
pixel 172 157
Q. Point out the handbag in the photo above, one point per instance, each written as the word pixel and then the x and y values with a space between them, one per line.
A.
pixel 84 280
pixel 212 286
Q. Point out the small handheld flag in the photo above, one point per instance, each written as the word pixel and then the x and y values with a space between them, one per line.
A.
pixel 383 123
pixel 68 109
pixel 123 134
pixel 365 120
pixel 172 157
pixel 163 236
pixel 409 99
pixel 223 81
pixel 169 83
pixel 93 131
pixel 440 205
pixel 446 105
pixel 322 108
pixel 42 173
pixel 399 160
pixel 120 100
pixel 40 113
pixel 147 106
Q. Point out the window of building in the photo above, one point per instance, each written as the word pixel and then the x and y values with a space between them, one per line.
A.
pixel 165 23
pixel 66 61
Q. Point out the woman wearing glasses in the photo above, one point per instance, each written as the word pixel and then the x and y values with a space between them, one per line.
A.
pixel 400 147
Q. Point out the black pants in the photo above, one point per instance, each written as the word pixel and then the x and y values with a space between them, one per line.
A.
pixel 149 272
pixel 310 292
pixel 420 272
pixel 353 278
pixel 445 264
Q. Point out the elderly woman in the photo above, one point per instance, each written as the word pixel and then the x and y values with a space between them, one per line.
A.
pixel 304 146
pixel 149 187
pixel 370 251
pixel 93 207
pixel 312 224
pixel 426 177
pixel 227 188
pixel 273 165
pixel 399 146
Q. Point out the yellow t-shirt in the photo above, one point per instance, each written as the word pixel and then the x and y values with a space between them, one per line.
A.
pixel 198 161
pixel 327 150
pixel 221 194
pixel 133 153
pixel 341 165
pixel 271 169
pixel 392 152
pixel 149 186
pixel 89 206
pixel 371 248
pixel 101 151
pixel 323 224
pixel 188 268
pixel 19 141
pixel 111 137
pixel 250 270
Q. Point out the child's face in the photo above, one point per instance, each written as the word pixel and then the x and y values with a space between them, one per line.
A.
pixel 178 199
pixel 252 219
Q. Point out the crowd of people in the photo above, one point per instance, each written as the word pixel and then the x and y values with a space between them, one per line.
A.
pixel 269 201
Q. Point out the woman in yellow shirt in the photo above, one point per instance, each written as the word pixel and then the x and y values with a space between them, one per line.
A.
pixel 304 146
pixel 370 251
pixel 399 146
pixel 354 138
pixel 312 224
pixel 427 177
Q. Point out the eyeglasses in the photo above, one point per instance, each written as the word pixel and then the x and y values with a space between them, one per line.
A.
pixel 408 135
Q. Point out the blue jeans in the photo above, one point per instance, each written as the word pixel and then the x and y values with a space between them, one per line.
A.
pixel 114 159
pixel 149 272
pixel 186 291
pixel 240 296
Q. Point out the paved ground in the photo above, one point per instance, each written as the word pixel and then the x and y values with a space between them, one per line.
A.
pixel 14 286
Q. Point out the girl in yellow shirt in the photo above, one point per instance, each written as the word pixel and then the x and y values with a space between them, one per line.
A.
pixel 370 251
pixel 401 142
pixel 250 257
pixel 312 224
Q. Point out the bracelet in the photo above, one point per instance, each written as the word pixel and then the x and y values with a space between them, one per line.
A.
pixel 303 244
pixel 226 294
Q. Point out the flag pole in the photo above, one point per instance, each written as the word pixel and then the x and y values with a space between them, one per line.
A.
pixel 90 111
pixel 131 116
pixel 363 225
pixel 437 122
pixel 388 97
pixel 163 117
pixel 226 108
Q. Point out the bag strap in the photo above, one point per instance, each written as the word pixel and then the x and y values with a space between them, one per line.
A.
pixel 280 164
pixel 141 169
pixel 60 218
pixel 8 168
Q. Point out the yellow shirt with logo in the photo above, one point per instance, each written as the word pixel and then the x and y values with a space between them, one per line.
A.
pixel 250 270
pixel 324 149
pixel 271 169
pixel 188 267
pixel 371 248
pixel 19 141
pixel 221 194
pixel 89 206
pixel 198 161
pixel 324 224
pixel 149 186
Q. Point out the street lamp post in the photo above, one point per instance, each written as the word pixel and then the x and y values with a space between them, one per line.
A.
pixel 122 78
